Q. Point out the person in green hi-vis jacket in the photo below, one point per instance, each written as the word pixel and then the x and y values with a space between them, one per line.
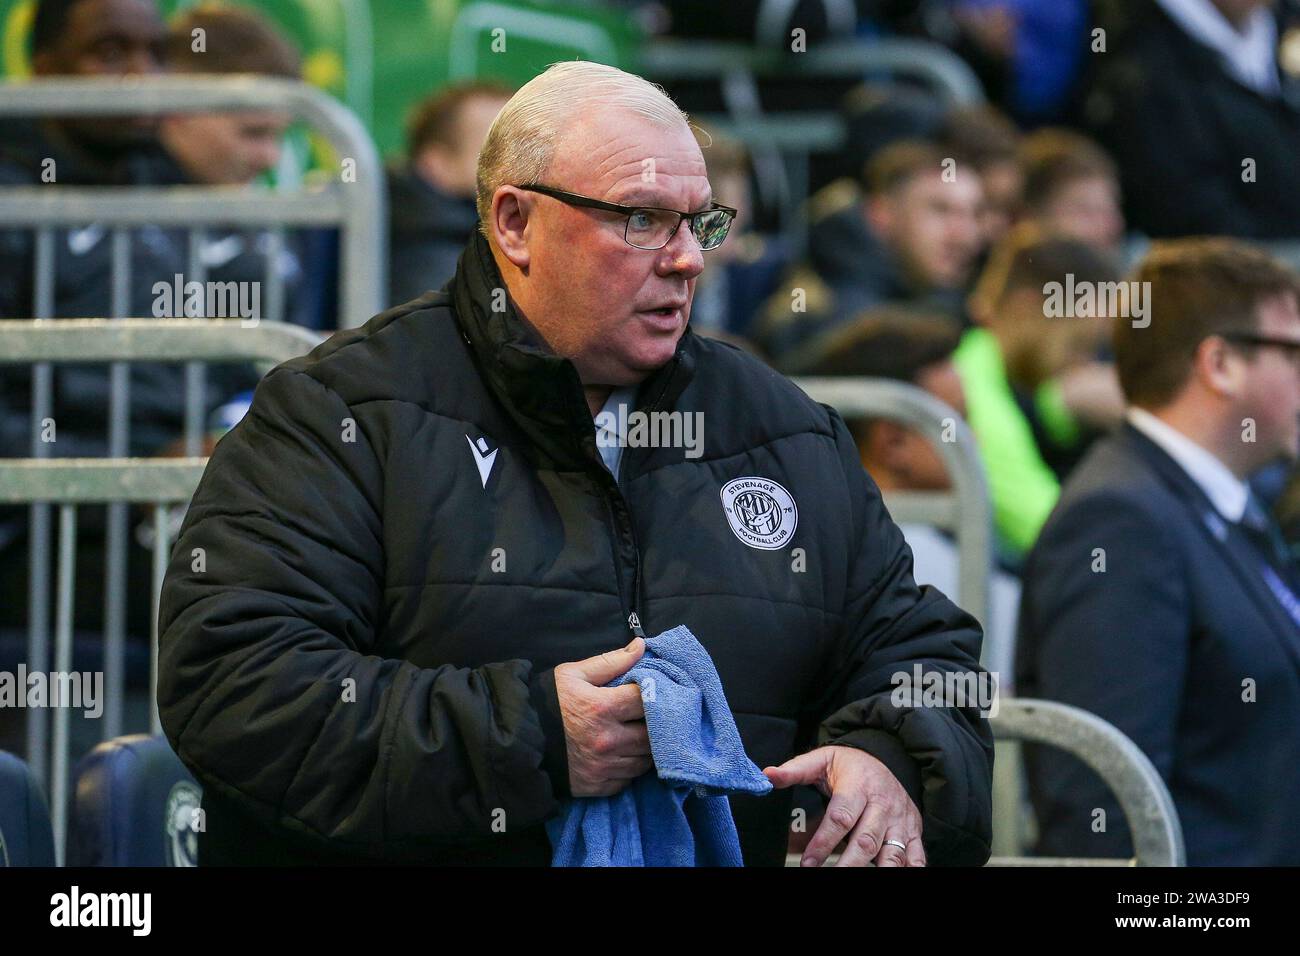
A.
pixel 1018 344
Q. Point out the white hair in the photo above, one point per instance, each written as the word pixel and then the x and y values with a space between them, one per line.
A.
pixel 521 143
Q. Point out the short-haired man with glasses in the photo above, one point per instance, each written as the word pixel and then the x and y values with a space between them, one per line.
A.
pixel 1161 594
pixel 421 567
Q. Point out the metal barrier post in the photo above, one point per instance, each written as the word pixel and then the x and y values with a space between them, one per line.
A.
pixel 42 481
pixel 1143 796
pixel 964 511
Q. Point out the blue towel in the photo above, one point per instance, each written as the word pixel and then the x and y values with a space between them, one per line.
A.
pixel 678 816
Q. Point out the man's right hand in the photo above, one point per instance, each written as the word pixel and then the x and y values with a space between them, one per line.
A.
pixel 604 727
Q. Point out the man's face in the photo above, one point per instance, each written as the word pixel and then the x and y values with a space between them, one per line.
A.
pixel 108 38
pixel 1271 391
pixel 616 311
pixel 903 457
pixel 926 468
pixel 1037 346
pixel 1003 185
pixel 452 168
pixel 933 227
pixel 226 149
pixel 1087 210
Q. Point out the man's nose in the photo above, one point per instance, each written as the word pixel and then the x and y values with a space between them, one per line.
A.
pixel 682 254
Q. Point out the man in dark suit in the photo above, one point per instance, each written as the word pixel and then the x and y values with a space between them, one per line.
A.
pixel 1201 113
pixel 1160 595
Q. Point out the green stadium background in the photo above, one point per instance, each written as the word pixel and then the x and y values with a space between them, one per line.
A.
pixel 381 56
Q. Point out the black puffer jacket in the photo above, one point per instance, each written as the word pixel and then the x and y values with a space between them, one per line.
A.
pixel 359 629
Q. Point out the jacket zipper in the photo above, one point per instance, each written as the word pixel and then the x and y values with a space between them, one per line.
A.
pixel 629 607
pixel 615 491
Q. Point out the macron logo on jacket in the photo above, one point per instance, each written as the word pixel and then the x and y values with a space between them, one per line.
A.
pixel 482 458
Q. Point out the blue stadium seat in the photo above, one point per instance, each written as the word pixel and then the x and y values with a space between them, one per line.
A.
pixel 25 835
pixel 134 806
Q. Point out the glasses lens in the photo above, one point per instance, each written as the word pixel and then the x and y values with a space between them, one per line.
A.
pixel 650 228
pixel 711 228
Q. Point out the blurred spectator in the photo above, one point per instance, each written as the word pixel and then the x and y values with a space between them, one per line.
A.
pixel 227 148
pixel 238 149
pixel 98 38
pixel 877 115
pixel 431 195
pixel 741 273
pixel 1160 595
pixel 913 239
pixel 1026 53
pixel 1041 44
pixel 1072 188
pixel 990 142
pixel 1206 128
pixel 916 348
pixel 91 38
pixel 85 38
pixel 1027 371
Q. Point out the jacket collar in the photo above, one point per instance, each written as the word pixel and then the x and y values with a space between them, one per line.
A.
pixel 1226 491
pixel 1170 471
pixel 540 390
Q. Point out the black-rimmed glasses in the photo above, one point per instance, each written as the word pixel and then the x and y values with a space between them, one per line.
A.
pixel 1290 346
pixel 652 227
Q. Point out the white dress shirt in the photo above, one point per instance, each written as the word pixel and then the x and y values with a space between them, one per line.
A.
pixel 609 439
pixel 1249 56
pixel 1226 491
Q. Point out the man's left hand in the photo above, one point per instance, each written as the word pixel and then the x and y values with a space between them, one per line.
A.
pixel 867 806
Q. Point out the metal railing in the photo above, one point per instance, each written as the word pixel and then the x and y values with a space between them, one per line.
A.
pixel 933 65
pixel 117 482
pixel 1123 767
pixel 356 205
pixel 965 511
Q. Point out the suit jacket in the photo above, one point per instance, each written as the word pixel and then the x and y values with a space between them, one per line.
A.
pixel 1180 126
pixel 1144 606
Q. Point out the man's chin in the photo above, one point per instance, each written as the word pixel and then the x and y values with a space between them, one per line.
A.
pixel 635 366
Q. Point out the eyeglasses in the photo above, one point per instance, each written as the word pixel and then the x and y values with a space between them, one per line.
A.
pixel 651 227
pixel 1291 346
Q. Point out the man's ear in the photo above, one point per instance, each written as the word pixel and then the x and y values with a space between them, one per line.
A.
pixel 511 209
pixel 880 214
pixel 1214 367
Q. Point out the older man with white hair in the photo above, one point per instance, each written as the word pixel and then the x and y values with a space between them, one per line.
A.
pixel 409 573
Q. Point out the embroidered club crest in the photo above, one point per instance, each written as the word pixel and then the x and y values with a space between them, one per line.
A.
pixel 761 513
